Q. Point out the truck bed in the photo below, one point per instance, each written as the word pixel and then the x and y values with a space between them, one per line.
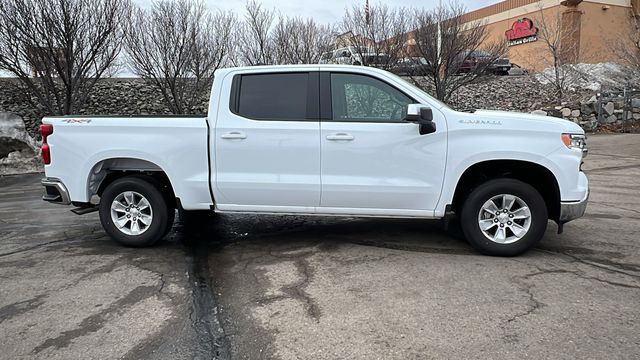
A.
pixel 176 145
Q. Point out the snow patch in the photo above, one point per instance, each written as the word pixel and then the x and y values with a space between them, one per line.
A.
pixel 594 77
pixel 19 152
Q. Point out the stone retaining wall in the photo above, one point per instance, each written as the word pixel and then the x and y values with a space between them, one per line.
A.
pixel 510 93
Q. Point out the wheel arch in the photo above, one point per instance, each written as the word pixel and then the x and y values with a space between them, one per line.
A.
pixel 108 170
pixel 536 175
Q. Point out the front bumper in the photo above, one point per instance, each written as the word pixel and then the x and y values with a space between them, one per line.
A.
pixel 573 210
pixel 55 191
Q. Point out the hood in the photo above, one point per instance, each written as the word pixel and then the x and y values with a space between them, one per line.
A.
pixel 523 121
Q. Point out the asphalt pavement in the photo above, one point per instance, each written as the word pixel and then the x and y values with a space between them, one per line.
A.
pixel 262 287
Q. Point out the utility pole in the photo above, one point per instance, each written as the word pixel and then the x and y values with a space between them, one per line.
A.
pixel 439 45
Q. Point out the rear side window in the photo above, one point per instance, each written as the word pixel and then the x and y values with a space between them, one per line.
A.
pixel 272 96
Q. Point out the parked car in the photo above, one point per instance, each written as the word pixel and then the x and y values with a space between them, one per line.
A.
pixel 411 66
pixel 517 70
pixel 352 56
pixel 326 58
pixel 469 61
pixel 332 140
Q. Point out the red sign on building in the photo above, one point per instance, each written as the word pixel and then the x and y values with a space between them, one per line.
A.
pixel 522 31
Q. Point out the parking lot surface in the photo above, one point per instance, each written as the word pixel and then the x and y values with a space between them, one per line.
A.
pixel 323 288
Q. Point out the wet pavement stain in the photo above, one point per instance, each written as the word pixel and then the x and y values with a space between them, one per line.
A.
pixel 198 233
pixel 15 309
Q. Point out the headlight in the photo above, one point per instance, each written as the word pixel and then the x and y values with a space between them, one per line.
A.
pixel 576 141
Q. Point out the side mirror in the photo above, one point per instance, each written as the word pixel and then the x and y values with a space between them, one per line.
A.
pixel 421 115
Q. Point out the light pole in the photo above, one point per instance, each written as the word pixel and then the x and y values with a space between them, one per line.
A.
pixel 439 44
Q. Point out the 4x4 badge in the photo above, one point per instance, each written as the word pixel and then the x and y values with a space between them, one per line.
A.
pixel 77 121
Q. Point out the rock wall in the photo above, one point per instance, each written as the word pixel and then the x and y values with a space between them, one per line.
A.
pixel 599 112
pixel 115 96
pixel 511 93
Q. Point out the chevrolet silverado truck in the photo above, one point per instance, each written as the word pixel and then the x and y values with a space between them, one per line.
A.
pixel 321 140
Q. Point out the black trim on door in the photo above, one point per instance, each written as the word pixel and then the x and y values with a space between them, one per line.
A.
pixel 313 96
pixel 325 96
pixel 235 94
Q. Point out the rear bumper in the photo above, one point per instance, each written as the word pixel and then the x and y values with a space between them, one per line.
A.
pixel 55 191
pixel 573 210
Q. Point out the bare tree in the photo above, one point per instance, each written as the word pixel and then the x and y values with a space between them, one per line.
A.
pixel 58 49
pixel 299 41
pixel 262 39
pixel 560 51
pixel 254 45
pixel 457 52
pixel 628 48
pixel 377 33
pixel 177 46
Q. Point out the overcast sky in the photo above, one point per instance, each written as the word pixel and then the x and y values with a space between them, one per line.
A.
pixel 324 11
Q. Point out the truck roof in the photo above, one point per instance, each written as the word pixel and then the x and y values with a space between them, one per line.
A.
pixel 301 67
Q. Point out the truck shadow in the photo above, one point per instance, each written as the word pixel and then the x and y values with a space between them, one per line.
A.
pixel 211 233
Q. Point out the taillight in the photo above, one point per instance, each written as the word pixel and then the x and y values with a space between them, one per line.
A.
pixel 45 131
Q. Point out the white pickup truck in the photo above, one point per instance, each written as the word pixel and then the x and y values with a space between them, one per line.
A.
pixel 321 140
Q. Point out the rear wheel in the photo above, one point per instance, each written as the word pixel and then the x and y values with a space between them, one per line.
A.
pixel 504 217
pixel 134 212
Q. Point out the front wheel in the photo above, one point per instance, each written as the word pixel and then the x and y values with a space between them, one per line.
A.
pixel 133 212
pixel 504 217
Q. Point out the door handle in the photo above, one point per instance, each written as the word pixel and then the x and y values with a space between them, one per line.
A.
pixel 340 136
pixel 234 135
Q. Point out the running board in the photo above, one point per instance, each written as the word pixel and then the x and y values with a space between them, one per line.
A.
pixel 84 210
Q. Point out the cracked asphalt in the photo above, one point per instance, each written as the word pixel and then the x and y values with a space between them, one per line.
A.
pixel 261 287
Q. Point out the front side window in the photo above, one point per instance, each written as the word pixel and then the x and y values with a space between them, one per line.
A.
pixel 276 96
pixel 363 98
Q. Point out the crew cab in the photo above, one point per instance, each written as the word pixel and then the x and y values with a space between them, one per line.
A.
pixel 321 140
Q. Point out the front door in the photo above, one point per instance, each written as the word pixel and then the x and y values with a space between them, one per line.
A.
pixel 372 160
pixel 267 150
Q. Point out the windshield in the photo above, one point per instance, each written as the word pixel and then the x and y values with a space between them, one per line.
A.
pixel 420 90
pixel 366 50
pixel 480 53
pixel 326 55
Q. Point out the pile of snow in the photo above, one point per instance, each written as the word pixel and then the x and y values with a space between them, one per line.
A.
pixel 19 152
pixel 593 77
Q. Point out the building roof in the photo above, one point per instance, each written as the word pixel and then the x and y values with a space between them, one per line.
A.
pixel 496 9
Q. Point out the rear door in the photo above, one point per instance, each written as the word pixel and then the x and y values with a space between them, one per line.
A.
pixel 374 162
pixel 267 150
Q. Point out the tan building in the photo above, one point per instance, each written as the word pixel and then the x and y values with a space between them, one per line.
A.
pixel 589 30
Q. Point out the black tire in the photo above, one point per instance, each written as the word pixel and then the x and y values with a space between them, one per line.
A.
pixel 147 187
pixel 168 197
pixel 483 193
